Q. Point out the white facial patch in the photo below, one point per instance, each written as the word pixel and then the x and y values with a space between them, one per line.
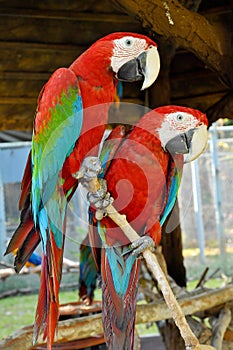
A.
pixel 125 49
pixel 181 121
pixel 174 124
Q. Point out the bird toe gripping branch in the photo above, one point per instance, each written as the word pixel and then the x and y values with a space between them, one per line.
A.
pixel 98 194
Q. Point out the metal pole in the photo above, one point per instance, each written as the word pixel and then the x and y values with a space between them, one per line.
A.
pixel 217 188
pixel 2 217
pixel 198 209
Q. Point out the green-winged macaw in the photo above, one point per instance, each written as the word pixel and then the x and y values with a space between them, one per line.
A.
pixel 143 171
pixel 69 124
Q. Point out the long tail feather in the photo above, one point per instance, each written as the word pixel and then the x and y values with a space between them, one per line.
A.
pixel 26 183
pixel 119 286
pixel 29 245
pixel 42 300
pixel 90 261
pixel 47 312
pixel 25 238
pixel 88 272
pixel 21 233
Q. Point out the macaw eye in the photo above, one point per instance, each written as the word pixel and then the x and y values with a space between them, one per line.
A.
pixel 179 117
pixel 128 42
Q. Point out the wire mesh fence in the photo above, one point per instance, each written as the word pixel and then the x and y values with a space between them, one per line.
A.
pixel 205 198
pixel 214 212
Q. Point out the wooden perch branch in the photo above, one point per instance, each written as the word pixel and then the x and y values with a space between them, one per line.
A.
pixel 220 327
pixel 10 271
pixel 187 29
pixel 4 273
pixel 84 327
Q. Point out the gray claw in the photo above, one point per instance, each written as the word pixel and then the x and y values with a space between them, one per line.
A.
pixel 90 168
pixel 141 244
pixel 100 199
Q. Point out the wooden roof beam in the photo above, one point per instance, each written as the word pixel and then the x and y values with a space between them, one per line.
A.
pixel 186 29
pixel 65 15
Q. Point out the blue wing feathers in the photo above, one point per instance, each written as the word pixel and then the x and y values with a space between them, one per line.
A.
pixel 121 267
pixel 49 153
pixel 43 223
pixel 173 191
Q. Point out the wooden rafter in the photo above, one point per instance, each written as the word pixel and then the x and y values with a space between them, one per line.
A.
pixel 188 30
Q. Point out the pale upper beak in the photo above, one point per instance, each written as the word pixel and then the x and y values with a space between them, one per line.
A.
pixel 198 144
pixel 191 143
pixel 152 67
pixel 146 66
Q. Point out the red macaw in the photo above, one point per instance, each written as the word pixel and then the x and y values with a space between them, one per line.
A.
pixel 143 177
pixel 69 124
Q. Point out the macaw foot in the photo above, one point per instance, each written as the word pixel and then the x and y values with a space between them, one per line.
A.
pixel 91 167
pixel 141 244
pixel 97 195
pixel 101 199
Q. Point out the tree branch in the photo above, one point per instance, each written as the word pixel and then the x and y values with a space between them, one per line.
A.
pixel 220 327
pixel 86 326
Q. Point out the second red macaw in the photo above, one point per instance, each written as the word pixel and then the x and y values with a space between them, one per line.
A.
pixel 143 176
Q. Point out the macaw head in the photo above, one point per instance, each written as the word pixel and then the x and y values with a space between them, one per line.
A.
pixel 131 57
pixel 183 131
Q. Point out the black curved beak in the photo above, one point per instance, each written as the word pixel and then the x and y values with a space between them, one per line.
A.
pixel 144 67
pixel 181 143
pixel 133 70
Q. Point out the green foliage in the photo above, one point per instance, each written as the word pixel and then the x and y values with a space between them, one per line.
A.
pixel 17 312
pixel 222 264
pixel 213 283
